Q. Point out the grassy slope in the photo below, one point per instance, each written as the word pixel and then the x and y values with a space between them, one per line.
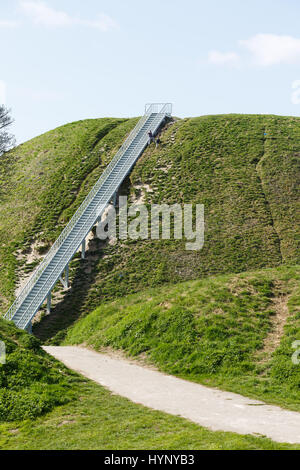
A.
pixel 33 384
pixel 100 420
pixel 218 331
pixel 248 184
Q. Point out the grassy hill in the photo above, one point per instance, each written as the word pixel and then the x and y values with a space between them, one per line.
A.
pixel 244 169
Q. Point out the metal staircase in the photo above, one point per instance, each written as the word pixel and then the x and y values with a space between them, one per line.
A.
pixel 56 262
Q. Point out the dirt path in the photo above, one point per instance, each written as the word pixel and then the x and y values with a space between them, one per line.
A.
pixel 211 408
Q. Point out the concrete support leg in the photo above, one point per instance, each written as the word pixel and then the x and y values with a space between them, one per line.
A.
pixel 83 249
pixel 65 282
pixel 29 328
pixel 114 199
pixel 67 276
pixel 49 303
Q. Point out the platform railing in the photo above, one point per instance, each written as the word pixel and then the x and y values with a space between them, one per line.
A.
pixel 159 108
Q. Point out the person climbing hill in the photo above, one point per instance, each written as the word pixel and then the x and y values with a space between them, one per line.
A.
pixel 151 137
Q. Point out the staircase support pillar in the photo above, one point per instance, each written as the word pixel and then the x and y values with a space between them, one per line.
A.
pixel 49 303
pixel 67 276
pixel 114 200
pixel 65 282
pixel 83 247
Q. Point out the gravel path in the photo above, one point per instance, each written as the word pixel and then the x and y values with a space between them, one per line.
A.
pixel 211 408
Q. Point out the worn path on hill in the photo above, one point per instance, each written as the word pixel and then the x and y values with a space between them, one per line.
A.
pixel 211 408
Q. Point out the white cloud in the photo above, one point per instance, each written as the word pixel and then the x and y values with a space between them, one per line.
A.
pixel 42 14
pixel 104 22
pixel 272 49
pixel 2 92
pixel 222 58
pixel 9 24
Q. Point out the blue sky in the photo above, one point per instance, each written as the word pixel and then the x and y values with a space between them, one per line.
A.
pixel 65 60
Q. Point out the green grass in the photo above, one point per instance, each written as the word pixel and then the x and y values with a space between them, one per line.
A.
pixel 211 331
pixel 99 420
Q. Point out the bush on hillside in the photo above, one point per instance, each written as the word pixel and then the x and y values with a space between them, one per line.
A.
pixel 31 383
